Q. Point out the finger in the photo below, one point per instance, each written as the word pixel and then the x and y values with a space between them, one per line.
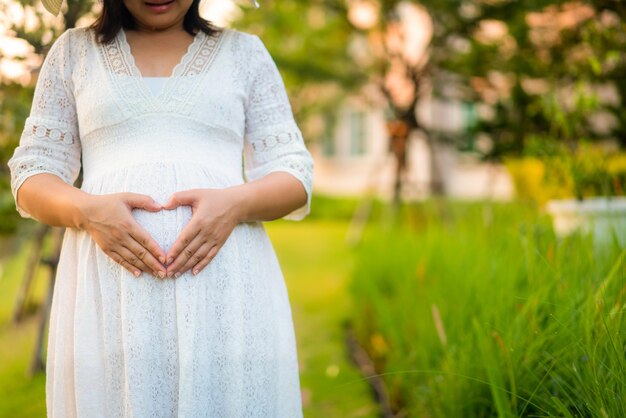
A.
pixel 184 198
pixel 206 260
pixel 200 255
pixel 186 254
pixel 141 201
pixel 133 260
pixel 140 235
pixel 187 235
pixel 144 255
pixel 122 262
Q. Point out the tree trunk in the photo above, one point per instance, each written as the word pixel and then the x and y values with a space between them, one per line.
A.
pixel 436 183
pixel 399 139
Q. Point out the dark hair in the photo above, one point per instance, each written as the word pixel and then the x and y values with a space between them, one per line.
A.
pixel 115 16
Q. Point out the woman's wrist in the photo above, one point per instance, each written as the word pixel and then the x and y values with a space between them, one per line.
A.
pixel 242 202
pixel 271 197
pixel 81 204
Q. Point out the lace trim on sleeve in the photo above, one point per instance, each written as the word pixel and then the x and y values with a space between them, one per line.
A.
pixel 45 147
pixel 273 140
pixel 280 148
pixel 49 132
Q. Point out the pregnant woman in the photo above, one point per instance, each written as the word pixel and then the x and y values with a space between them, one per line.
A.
pixel 169 300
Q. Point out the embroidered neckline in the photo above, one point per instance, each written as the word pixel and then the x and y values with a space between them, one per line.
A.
pixel 124 46
pixel 196 61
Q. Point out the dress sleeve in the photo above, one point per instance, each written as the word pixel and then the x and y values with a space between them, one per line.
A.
pixel 49 142
pixel 273 141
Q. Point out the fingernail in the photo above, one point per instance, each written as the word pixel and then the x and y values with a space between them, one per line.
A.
pixel 177 274
pixel 137 273
pixel 170 274
pixel 162 274
pixel 170 260
pixel 196 271
pixel 161 259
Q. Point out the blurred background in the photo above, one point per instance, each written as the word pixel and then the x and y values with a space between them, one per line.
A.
pixel 465 252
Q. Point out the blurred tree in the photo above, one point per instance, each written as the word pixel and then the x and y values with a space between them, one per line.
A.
pixel 607 33
pixel 539 70
pixel 396 36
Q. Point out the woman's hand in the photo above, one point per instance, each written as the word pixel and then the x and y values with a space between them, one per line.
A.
pixel 214 216
pixel 108 219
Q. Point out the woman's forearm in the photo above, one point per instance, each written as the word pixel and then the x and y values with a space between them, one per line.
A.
pixel 269 198
pixel 50 200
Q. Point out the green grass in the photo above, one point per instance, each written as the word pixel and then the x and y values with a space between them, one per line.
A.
pixel 20 395
pixel 482 312
pixel 316 265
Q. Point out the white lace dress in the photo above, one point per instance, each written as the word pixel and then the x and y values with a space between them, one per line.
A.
pixel 219 344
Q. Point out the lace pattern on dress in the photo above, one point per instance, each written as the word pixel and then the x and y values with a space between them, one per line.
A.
pixel 196 61
pixel 125 81
pixel 50 141
pixel 44 148
pixel 268 103
pixel 273 140
pixel 194 64
pixel 51 133
pixel 200 57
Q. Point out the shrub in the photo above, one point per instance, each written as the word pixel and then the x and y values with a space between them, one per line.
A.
pixel 556 172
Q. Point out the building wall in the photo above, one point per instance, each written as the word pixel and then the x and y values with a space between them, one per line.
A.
pixel 354 159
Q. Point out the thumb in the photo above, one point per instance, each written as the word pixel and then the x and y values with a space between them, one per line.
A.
pixel 184 198
pixel 141 201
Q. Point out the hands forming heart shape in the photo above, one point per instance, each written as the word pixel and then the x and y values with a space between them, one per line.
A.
pixel 111 225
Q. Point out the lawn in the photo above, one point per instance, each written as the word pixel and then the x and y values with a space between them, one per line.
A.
pixel 316 265
pixel 20 396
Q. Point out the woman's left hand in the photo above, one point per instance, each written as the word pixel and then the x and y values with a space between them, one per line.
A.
pixel 214 216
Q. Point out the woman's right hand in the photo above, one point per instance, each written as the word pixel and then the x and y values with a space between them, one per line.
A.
pixel 108 219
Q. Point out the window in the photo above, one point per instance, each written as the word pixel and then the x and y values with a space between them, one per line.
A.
pixel 329 145
pixel 358 133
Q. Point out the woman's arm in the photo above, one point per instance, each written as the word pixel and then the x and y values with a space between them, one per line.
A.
pixel 271 197
pixel 107 218
pixel 51 201
pixel 46 164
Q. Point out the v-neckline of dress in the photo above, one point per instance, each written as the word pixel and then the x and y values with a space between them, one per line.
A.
pixel 170 80
pixel 181 88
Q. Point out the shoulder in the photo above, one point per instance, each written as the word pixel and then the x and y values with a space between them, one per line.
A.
pixel 249 51
pixel 74 35
pixel 71 39
pixel 69 50
pixel 249 42
pixel 240 35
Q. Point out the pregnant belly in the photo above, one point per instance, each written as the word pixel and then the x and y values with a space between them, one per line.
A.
pixel 160 181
